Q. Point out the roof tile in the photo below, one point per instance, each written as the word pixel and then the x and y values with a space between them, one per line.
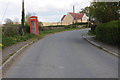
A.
pixel 77 15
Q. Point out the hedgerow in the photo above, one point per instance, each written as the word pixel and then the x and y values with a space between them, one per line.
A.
pixel 109 32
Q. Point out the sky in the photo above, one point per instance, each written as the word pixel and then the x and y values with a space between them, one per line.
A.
pixel 46 10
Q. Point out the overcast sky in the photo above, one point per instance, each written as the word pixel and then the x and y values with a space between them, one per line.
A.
pixel 46 10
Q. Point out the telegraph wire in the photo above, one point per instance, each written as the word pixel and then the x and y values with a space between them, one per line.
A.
pixel 5 11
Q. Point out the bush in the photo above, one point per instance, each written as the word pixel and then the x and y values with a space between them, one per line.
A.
pixel 27 26
pixel 11 30
pixel 109 32
pixel 81 23
pixel 55 26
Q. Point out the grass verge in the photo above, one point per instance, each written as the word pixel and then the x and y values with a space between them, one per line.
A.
pixel 91 33
pixel 8 41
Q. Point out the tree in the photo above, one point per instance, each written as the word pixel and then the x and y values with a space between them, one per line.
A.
pixel 27 18
pixel 85 10
pixel 104 11
pixel 16 20
pixel 40 24
pixel 8 21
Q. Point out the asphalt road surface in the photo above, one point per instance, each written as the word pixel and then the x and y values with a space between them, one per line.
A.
pixel 64 55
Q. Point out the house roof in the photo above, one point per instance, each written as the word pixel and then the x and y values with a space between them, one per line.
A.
pixel 77 15
pixel 63 17
pixel 74 15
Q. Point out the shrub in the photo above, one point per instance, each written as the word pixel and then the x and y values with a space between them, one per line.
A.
pixel 81 23
pixel 27 26
pixel 11 30
pixel 55 26
pixel 109 32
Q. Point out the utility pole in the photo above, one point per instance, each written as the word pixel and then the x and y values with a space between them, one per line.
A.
pixel 23 18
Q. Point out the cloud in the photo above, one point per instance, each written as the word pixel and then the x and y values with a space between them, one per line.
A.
pixel 51 13
pixel 47 10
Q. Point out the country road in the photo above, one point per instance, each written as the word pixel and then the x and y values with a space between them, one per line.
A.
pixel 64 55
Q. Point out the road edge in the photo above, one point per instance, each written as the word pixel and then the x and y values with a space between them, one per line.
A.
pixel 16 53
pixel 95 44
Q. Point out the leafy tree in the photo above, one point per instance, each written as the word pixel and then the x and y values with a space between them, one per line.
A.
pixel 104 11
pixel 85 10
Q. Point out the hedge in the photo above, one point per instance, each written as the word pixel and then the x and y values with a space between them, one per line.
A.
pixel 85 23
pixel 109 32
pixel 55 26
pixel 68 26
pixel 11 34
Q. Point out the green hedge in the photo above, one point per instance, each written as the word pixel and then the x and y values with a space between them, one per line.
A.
pixel 11 34
pixel 68 26
pixel 11 30
pixel 55 26
pixel 85 23
pixel 109 32
pixel 64 26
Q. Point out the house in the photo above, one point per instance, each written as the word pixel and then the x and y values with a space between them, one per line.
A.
pixel 71 18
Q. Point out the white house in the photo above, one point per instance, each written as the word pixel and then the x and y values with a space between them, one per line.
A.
pixel 71 18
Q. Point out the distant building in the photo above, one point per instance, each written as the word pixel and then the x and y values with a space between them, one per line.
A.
pixel 71 18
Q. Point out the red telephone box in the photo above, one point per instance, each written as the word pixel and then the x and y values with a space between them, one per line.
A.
pixel 34 29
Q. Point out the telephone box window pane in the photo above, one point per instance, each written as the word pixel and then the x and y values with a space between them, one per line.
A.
pixel 33 27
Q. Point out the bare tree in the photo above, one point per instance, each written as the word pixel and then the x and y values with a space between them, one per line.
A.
pixel 27 18
pixel 8 21
pixel 16 20
pixel 28 15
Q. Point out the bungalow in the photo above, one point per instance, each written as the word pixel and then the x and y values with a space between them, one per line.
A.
pixel 71 18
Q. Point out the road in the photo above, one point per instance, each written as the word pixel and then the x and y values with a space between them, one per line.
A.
pixel 64 55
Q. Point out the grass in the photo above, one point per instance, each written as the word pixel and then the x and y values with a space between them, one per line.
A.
pixel 8 41
pixel 7 58
pixel 91 33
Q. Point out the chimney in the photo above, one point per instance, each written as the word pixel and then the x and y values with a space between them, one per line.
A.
pixel 73 9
